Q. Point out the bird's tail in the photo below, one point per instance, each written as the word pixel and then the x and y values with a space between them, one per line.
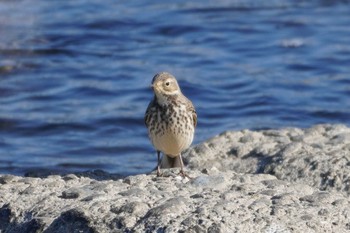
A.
pixel 170 162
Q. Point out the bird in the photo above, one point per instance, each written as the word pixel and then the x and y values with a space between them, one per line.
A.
pixel 171 120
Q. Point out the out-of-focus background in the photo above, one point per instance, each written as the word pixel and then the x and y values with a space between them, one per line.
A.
pixel 75 75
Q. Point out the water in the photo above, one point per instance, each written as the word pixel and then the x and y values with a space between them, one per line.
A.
pixel 75 75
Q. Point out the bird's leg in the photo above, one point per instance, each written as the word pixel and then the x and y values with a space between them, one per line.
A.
pixel 182 171
pixel 159 161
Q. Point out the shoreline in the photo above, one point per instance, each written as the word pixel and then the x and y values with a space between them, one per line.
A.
pixel 284 180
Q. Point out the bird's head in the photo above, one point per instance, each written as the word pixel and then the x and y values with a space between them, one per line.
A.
pixel 165 84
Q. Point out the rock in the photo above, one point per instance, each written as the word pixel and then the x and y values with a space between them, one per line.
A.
pixel 287 180
pixel 71 193
pixel 318 156
pixel 5 216
pixel 73 220
pixel 27 223
pixel 6 179
pixel 218 203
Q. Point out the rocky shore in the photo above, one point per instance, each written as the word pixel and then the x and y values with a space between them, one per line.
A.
pixel 285 180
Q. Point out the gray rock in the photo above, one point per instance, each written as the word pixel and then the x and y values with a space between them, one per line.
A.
pixel 318 156
pixel 71 193
pixel 207 203
pixel 287 180
pixel 73 220
pixel 6 179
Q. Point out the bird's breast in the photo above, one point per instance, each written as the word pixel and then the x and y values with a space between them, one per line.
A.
pixel 171 129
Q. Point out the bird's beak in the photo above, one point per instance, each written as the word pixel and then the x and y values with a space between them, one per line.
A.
pixel 151 86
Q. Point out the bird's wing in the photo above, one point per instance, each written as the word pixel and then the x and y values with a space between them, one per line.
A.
pixel 192 110
pixel 148 113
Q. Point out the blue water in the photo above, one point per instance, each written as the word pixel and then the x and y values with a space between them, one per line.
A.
pixel 75 75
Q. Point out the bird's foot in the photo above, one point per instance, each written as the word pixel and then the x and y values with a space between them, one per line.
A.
pixel 159 174
pixel 184 174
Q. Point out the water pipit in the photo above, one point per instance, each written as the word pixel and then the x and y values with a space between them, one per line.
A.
pixel 171 120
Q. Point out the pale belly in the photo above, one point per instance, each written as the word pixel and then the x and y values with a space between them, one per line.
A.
pixel 171 143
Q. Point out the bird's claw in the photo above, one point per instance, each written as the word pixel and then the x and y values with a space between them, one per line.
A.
pixel 184 175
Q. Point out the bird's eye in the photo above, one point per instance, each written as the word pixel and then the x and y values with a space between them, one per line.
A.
pixel 167 83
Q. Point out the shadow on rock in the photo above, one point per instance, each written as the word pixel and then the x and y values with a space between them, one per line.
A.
pixel 73 221
pixel 30 225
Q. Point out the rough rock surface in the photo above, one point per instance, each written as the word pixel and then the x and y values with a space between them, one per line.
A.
pixel 318 156
pixel 308 190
